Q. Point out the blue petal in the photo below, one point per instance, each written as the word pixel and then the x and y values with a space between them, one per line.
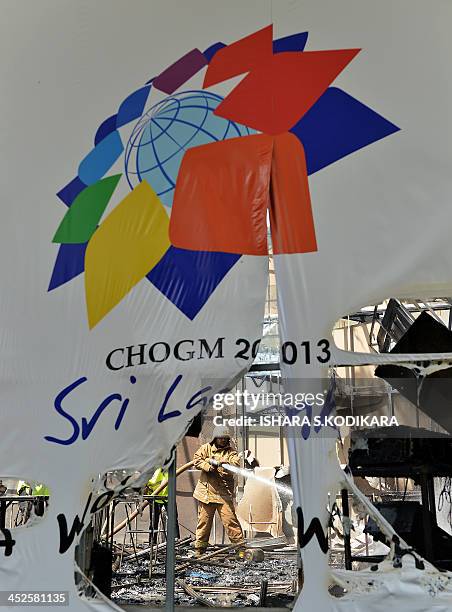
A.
pixel 336 126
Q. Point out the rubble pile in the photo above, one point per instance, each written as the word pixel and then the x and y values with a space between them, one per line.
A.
pixel 226 582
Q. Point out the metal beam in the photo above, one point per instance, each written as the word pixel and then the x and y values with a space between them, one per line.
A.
pixel 171 535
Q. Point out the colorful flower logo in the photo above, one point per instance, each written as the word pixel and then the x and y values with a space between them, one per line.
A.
pixel 204 170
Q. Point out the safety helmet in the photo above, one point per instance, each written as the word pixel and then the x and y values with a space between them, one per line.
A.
pixel 221 431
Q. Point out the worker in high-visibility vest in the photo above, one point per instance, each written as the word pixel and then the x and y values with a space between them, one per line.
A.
pixel 23 488
pixel 41 491
pixel 160 503
pixel 38 490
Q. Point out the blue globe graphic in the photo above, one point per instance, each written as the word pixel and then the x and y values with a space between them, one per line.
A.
pixel 163 134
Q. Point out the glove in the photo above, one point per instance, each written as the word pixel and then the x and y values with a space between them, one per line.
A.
pixel 223 468
pixel 214 463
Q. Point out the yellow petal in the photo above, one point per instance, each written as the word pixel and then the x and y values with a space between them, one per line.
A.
pixel 126 246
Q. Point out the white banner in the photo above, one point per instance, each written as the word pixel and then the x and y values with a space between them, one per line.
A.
pixel 114 310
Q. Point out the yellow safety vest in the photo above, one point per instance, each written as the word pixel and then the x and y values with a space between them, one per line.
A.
pixel 23 488
pixel 157 478
pixel 41 489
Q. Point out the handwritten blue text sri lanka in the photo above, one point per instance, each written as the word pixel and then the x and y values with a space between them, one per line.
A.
pixel 199 398
pixel 116 400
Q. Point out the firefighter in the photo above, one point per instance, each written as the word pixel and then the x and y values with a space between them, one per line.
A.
pixel 215 489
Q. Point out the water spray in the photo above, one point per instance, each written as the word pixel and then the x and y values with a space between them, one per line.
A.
pixel 249 474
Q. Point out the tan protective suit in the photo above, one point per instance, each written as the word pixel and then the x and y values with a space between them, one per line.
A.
pixel 215 493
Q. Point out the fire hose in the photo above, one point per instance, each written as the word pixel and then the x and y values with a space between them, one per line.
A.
pixel 145 503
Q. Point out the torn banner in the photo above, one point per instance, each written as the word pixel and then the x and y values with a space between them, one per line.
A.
pixel 374 129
